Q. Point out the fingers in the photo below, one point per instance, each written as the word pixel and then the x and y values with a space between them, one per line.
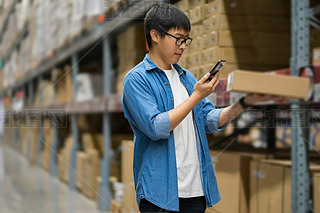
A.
pixel 214 79
pixel 204 78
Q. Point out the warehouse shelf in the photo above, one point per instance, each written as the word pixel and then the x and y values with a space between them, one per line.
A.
pixel 111 104
pixel 97 33
pixel 5 24
pixel 107 103
pixel 16 42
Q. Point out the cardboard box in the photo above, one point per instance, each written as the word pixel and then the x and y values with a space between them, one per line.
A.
pixel 82 157
pixel 316 192
pixel 253 39
pixel 248 7
pixel 92 171
pixel 196 14
pixel 246 23
pixel 127 161
pixel 232 173
pixel 288 86
pixel 183 62
pixel 270 185
pixel 115 206
pixel 88 141
pixel 195 71
pixel 194 59
pixel 195 3
pixel 183 5
pixel 270 188
pixel 129 198
pixel 239 55
pixel 316 57
pixel 196 45
pixel 210 39
pixel 196 30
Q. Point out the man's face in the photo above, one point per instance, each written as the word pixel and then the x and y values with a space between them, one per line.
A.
pixel 169 51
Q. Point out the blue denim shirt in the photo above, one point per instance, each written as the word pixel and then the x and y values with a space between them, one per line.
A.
pixel 147 98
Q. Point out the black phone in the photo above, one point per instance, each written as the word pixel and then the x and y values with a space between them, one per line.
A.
pixel 216 69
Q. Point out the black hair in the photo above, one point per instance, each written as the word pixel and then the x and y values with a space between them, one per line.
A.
pixel 163 17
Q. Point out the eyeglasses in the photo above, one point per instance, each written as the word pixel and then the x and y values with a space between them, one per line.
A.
pixel 179 41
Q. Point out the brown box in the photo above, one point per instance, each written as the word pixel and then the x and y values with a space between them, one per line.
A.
pixel 229 38
pixel 196 30
pixel 197 44
pixel 270 188
pixel 183 5
pixel 210 39
pixel 195 3
pixel 115 206
pixel 248 7
pixel 82 157
pixel 266 56
pixel 194 59
pixel 195 71
pixel 316 57
pixel 129 198
pixel 246 23
pixel 264 83
pixel 92 171
pixel 127 161
pixel 183 61
pixel 316 192
pixel 270 185
pixel 232 173
pixel 196 14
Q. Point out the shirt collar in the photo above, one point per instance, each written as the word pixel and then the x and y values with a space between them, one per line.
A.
pixel 150 65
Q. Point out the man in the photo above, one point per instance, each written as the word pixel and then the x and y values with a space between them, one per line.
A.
pixel 170 115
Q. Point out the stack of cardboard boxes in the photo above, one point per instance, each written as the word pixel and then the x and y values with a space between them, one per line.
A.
pixel 316 192
pixel 255 183
pixel 47 143
pixel 248 34
pixel 129 196
pixel 64 159
pixel 131 46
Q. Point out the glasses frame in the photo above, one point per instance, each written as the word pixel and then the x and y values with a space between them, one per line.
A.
pixel 183 41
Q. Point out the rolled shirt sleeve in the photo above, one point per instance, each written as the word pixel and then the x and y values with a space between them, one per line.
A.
pixel 213 120
pixel 162 125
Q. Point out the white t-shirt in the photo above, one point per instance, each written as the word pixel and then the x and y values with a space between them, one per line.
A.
pixel 188 170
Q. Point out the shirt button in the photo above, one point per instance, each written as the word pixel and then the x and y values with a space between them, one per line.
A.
pixel 165 83
pixel 171 99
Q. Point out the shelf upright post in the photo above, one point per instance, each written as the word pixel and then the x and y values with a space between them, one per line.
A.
pixel 75 147
pixel 55 144
pixel 29 122
pixel 40 125
pixel 104 190
pixel 299 57
pixel 22 118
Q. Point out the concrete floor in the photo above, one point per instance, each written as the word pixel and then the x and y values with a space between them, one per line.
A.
pixel 29 189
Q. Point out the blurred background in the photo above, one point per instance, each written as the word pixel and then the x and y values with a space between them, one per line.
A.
pixel 65 145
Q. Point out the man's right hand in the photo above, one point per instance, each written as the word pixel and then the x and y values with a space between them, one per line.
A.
pixel 203 88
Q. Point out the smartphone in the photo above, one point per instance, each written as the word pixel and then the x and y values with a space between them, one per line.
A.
pixel 216 69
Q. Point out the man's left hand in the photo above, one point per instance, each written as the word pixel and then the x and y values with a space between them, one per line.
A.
pixel 253 98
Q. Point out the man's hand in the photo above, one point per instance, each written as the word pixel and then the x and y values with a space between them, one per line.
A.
pixel 253 98
pixel 203 88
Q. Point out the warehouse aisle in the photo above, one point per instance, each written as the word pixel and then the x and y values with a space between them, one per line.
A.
pixel 28 189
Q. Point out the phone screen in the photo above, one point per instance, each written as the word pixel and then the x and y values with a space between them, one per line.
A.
pixel 216 69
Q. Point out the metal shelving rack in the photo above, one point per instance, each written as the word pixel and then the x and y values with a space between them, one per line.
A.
pixel 109 103
pixel 106 104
